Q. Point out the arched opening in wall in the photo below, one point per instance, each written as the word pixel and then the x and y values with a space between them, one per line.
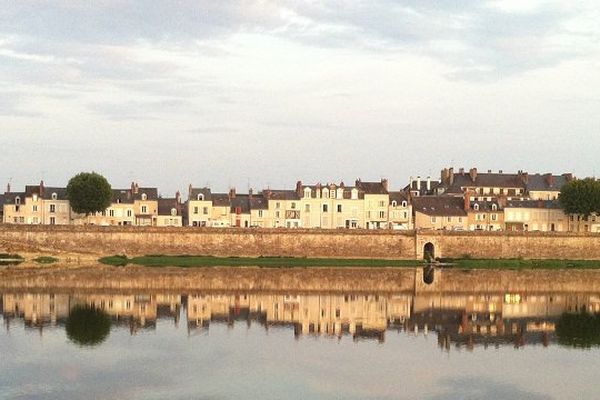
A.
pixel 429 251
pixel 428 274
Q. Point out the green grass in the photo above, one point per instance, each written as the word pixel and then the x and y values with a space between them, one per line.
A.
pixel 45 260
pixel 273 262
pixel 471 263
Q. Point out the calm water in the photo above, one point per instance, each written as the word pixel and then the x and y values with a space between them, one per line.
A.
pixel 299 346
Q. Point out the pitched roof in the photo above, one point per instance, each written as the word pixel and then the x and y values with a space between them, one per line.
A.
pixel 486 180
pixel 121 196
pixel 206 192
pixel 281 194
pixel 61 193
pixel 372 187
pixel 439 206
pixel 545 204
pixel 166 205
pixel 241 201
pixel 485 205
pixel 9 198
pixel 422 187
pixel 259 203
pixel 398 197
pixel 220 199
pixel 150 192
pixel 547 182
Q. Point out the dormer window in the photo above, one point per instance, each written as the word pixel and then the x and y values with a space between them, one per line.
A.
pixel 394 203
pixel 200 197
pixel 332 194
pixel 307 193
pixel 35 197
pixel 325 193
pixel 494 207
pixel 173 211
pixel 54 196
pixel 404 204
pixel 354 194
pixel 144 197
pixel 476 207
pixel 17 200
pixel 118 201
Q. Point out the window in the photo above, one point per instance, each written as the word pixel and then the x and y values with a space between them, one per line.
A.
pixel 354 194
pixel 111 213
pixel 404 204
pixel 34 208
pixel 494 217
pixel 325 208
pixel 173 211
pixel 144 209
pixel 205 210
pixel 195 210
pixel 277 214
pixel 381 214
pixel 144 197
pixel 17 200
pixel 278 205
pixel 260 213
pixel 293 205
pixel 200 197
pixel 52 208
pixel 118 201
pixel 54 196
pixel 433 220
pixel 35 197
pixel 382 203
pixel 325 194
pixel 307 193
pixel 52 221
pixel 449 219
pixel 339 208
pixel 476 207
pixel 129 213
pixel 394 203
pixel 494 207
pixel 460 219
pixel 332 194
pixel 307 207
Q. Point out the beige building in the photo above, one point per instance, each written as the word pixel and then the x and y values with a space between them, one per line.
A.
pixel 535 215
pixel 484 215
pixel 440 213
pixel 400 211
pixel 134 206
pixel 38 205
pixel 170 211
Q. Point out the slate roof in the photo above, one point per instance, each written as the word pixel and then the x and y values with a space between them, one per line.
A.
pixel 485 205
pixel 151 193
pixel 241 201
pixel 281 194
pixel 486 180
pixel 439 206
pixel 346 194
pixel 61 193
pixel 547 182
pixel 422 188
pixel 371 187
pixel 9 198
pixel 399 197
pixel 121 196
pixel 194 192
pixel 220 199
pixel 259 203
pixel 165 205
pixel 546 204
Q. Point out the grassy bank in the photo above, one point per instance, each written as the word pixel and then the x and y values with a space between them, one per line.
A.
pixel 468 263
pixel 272 262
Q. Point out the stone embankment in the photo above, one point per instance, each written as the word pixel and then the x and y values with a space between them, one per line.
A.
pixel 94 240
pixel 98 278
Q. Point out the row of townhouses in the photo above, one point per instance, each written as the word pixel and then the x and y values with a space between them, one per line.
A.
pixel 460 200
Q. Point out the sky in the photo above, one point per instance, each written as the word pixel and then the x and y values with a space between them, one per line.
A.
pixel 264 93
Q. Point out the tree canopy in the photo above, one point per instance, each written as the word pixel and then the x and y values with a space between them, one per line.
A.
pixel 87 326
pixel 89 192
pixel 581 196
pixel 579 330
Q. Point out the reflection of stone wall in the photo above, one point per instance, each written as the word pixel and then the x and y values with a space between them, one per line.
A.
pixel 296 243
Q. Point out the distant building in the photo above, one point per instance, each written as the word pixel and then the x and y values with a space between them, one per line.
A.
pixel 170 211
pixel 437 212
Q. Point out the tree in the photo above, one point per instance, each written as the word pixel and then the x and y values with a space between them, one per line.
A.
pixel 87 326
pixel 89 192
pixel 579 330
pixel 581 196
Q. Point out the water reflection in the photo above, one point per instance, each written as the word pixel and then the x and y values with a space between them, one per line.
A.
pixel 457 320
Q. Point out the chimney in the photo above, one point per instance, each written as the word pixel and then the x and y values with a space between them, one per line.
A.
pixel 451 176
pixel 178 197
pixel 473 174
pixel 384 183
pixel 410 183
pixel 428 183
pixel 444 178
pixel 190 192
pixel 299 188
pixel 41 188
pixel 8 188
pixel 568 177
pixel 419 183
pixel 461 171
pixel 524 177
pixel 250 193
pixel 549 178
pixel 137 188
pixel 232 193
pixel 500 171
pixel 467 199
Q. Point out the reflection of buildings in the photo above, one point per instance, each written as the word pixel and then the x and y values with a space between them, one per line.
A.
pixel 457 319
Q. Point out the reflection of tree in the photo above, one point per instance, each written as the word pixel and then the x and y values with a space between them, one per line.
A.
pixel 579 330
pixel 87 326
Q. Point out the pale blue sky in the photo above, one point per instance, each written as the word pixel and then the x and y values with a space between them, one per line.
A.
pixel 265 93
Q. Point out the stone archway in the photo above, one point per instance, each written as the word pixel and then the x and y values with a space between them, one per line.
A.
pixel 429 251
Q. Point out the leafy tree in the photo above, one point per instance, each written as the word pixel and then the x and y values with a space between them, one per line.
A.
pixel 87 326
pixel 579 330
pixel 89 192
pixel 581 196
